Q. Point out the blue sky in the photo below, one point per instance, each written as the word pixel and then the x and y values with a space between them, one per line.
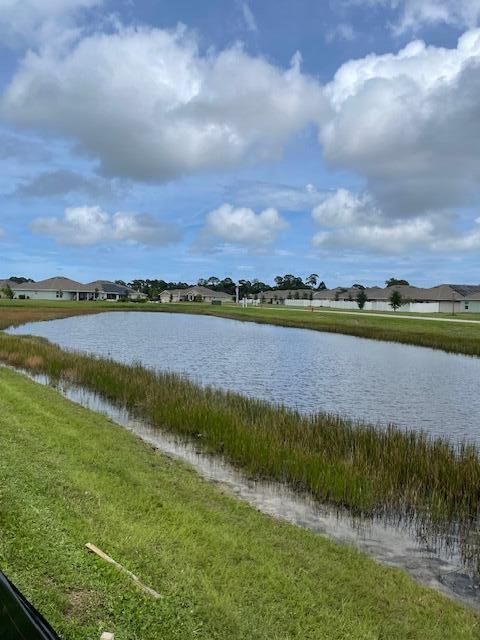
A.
pixel 181 139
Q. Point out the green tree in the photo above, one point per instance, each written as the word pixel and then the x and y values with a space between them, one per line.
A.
pixel 7 291
pixel 213 282
pixel 392 282
pixel 361 298
pixel 20 279
pixel 396 300
pixel 312 280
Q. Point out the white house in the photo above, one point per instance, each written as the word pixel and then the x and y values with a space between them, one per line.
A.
pixel 444 298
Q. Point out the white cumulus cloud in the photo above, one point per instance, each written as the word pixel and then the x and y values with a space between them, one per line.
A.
pixel 243 226
pixel 405 123
pixel 344 208
pixel 33 22
pixel 388 238
pixel 149 105
pixel 90 225
pixel 354 222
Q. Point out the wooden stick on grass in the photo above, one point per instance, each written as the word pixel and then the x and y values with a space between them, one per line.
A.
pixel 137 581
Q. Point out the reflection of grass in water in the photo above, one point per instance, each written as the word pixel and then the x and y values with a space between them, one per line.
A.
pixel 363 468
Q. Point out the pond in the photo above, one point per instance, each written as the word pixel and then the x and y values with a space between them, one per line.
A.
pixel 373 381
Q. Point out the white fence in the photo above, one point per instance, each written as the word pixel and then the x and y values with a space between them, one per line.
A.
pixel 410 307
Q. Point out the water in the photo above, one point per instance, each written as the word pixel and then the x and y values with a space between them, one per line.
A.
pixel 432 561
pixel 378 382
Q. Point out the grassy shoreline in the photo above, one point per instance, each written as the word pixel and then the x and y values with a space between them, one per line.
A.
pixel 69 476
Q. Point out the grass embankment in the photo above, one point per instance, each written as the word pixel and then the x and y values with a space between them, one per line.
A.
pixel 68 476
pixel 422 331
pixel 364 468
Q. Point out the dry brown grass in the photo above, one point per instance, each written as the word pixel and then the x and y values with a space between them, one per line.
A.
pixel 14 316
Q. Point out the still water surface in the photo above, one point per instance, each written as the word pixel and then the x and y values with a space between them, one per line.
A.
pixel 379 382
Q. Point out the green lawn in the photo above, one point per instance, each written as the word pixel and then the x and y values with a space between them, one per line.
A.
pixel 68 476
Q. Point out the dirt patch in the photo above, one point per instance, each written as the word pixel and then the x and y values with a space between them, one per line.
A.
pixel 82 604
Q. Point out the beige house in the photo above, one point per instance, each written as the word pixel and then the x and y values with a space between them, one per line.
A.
pixel 61 288
pixel 195 294
pixel 280 296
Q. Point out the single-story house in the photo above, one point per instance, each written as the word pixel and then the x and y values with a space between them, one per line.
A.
pixel 105 290
pixel 445 298
pixel 280 296
pixel 195 294
pixel 61 288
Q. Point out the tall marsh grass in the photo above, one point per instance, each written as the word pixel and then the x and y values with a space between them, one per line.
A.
pixel 367 469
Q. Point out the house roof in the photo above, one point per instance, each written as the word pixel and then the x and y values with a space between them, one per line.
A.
pixel 473 296
pixel 440 293
pixel 7 283
pixel 110 287
pixel 462 289
pixel 205 291
pixel 197 290
pixel 52 284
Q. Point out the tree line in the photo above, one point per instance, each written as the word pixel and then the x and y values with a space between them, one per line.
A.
pixel 153 288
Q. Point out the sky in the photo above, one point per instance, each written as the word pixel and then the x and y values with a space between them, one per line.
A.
pixel 244 138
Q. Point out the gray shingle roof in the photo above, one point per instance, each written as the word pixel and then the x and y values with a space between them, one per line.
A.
pixel 198 291
pixel 53 284
pixel 8 283
pixel 110 287
pixel 440 293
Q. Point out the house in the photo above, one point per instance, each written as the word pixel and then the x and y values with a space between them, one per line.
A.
pixel 471 302
pixel 106 290
pixel 281 296
pixel 58 288
pixel 445 298
pixel 61 288
pixel 195 294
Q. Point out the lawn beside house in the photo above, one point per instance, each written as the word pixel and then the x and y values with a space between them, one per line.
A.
pixel 69 476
